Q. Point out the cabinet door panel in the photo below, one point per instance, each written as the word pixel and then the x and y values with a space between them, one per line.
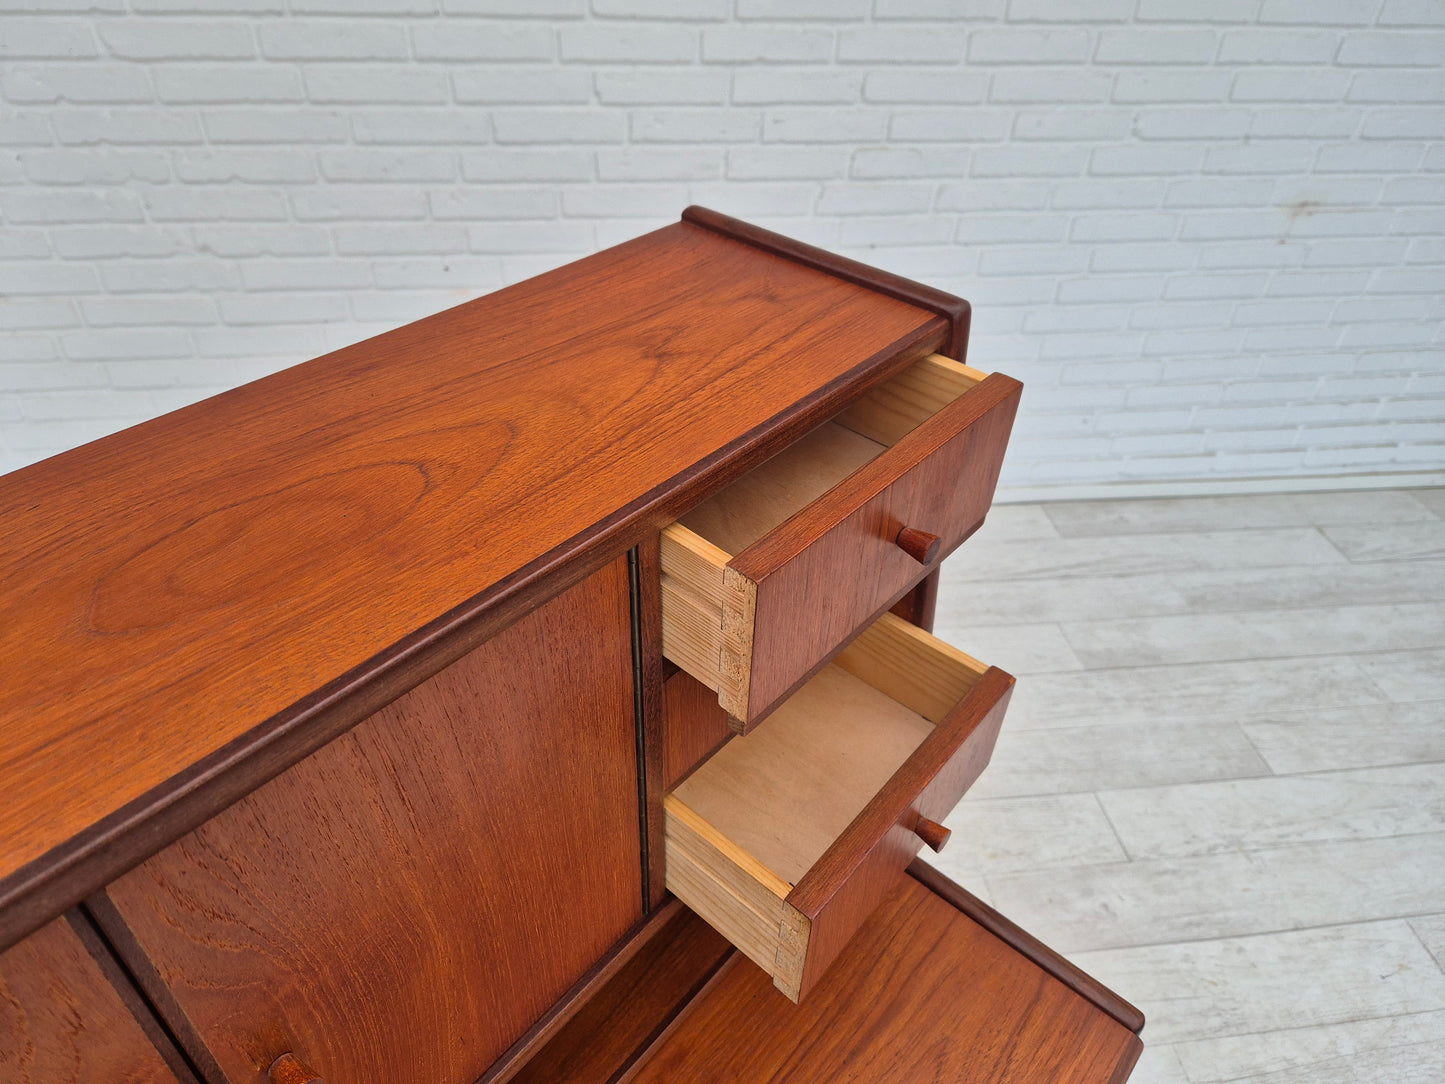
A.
pixel 405 902
pixel 61 1022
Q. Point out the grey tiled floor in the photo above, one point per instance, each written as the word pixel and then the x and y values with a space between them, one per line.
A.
pixel 1221 783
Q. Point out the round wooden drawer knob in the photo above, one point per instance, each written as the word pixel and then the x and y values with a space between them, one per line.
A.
pixel 932 833
pixel 288 1069
pixel 920 545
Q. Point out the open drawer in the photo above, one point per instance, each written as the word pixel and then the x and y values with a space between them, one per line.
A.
pixel 764 581
pixel 786 839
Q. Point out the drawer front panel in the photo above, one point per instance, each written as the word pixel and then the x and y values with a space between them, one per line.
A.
pixel 407 901
pixel 834 566
pixel 835 898
pixel 786 839
pixel 61 1022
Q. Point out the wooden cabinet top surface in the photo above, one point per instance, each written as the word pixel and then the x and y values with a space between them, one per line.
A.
pixel 190 605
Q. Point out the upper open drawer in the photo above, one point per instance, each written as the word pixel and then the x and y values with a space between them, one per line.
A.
pixel 785 840
pixel 765 581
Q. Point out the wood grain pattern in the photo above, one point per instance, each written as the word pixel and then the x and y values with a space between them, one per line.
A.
pixel 923 994
pixel 739 896
pixel 61 1022
pixel 787 838
pixel 940 478
pixel 407 901
pixel 934 835
pixel 919 606
pixel 592 984
pixel 706 615
pixel 103 953
pixel 894 409
pixel 787 791
pixel 920 545
pixel 915 668
pixel 182 611
pixel 288 1069
pixel 847 884
pixel 851 487
pixel 738 515
pixel 953 309
pixel 627 1014
pixel 1030 947
pixel 694 726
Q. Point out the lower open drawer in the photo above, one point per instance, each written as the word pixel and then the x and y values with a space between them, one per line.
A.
pixel 789 837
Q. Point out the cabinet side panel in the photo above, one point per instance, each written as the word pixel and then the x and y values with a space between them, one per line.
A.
pixel 406 901
pixel 61 1022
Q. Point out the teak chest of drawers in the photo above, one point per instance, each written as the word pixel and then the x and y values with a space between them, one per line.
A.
pixel 484 701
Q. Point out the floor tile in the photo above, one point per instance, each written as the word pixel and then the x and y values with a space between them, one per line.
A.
pixel 1110 757
pixel 1407 675
pixel 1433 499
pixel 1017 521
pixel 1431 931
pixel 1135 555
pixel 1272 982
pixel 1290 588
pixel 1164 693
pixel 1265 634
pixel 1274 927
pixel 1075 519
pixel 1393 1050
pixel 1000 834
pixel 1158 1065
pixel 1250 814
pixel 1395 542
pixel 959 866
pixel 1226 895
pixel 1363 737
pixel 968 594
pixel 1327 509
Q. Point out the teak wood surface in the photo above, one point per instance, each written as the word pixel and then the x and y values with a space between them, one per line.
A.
pixel 194 604
pixel 694 725
pixel 955 310
pixel 786 792
pixel 632 1009
pixel 916 457
pixel 1029 946
pixel 788 838
pixel 61 1022
pixel 940 477
pixel 922 994
pixel 865 862
pixel 404 903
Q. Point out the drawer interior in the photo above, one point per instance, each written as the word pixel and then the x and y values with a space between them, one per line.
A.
pixel 785 792
pixel 737 516
pixel 749 824
pixel 708 608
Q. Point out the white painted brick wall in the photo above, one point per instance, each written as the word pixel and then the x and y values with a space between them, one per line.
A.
pixel 1210 236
